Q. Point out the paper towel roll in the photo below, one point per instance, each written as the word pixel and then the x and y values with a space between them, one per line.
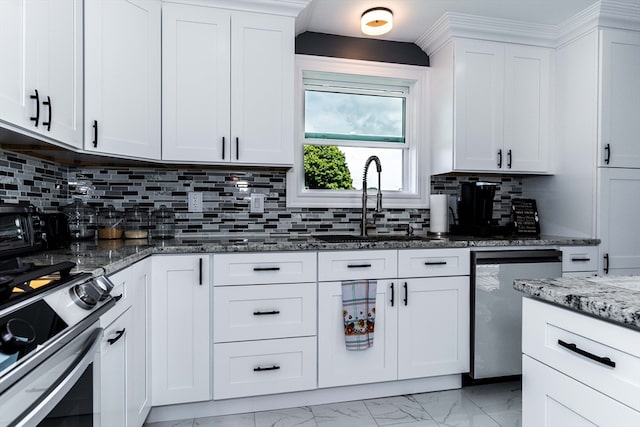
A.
pixel 439 215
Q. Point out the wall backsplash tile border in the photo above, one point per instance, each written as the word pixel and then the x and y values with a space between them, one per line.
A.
pixel 226 196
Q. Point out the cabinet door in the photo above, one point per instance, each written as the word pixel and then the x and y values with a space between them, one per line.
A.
pixel 262 53
pixel 114 370
pixel 122 77
pixel 433 326
pixel 139 342
pixel 618 226
pixel 41 42
pixel 180 329
pixel 552 399
pixel 15 105
pixel 336 365
pixel 479 105
pixel 620 98
pixel 527 108
pixel 195 83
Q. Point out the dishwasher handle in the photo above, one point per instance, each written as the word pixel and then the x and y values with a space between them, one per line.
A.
pixel 516 256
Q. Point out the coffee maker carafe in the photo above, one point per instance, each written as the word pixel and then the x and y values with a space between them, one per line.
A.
pixel 475 208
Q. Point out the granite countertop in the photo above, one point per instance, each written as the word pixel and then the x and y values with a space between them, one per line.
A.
pixel 612 298
pixel 109 256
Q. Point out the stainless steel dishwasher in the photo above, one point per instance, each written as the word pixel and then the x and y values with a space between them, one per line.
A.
pixel 496 308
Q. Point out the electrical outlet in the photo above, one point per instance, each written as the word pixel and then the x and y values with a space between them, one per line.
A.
pixel 195 202
pixel 257 203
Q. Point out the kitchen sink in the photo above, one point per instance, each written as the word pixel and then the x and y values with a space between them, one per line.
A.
pixel 355 238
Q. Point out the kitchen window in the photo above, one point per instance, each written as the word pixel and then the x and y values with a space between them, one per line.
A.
pixel 348 110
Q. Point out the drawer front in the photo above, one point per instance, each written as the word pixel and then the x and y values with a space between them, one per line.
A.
pixel 579 258
pixel 258 312
pixel 264 367
pixel 433 262
pixel 259 268
pixel 547 327
pixel 350 265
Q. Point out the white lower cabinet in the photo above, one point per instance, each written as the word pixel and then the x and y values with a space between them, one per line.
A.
pixel 114 348
pixel 421 324
pixel 264 317
pixel 180 331
pixel 125 381
pixel 577 370
pixel 552 399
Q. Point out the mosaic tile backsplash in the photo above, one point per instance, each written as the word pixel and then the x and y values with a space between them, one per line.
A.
pixel 226 196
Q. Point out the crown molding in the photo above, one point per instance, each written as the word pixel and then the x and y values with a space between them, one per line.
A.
pixel 274 7
pixel 480 27
pixel 619 14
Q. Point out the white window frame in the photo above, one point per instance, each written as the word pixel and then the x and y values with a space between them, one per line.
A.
pixel 416 133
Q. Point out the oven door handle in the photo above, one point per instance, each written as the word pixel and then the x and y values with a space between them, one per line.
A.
pixel 54 394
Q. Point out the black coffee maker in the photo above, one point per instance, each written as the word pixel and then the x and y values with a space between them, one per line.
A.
pixel 475 209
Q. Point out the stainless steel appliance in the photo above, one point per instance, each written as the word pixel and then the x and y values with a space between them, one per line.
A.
pixel 20 230
pixel 49 335
pixel 496 308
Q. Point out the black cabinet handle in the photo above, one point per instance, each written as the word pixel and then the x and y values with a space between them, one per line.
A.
pixel 605 267
pixel 266 268
pixel 607 152
pixel 435 263
pixel 266 313
pixel 359 266
pixel 118 297
pixel 509 157
pixel 36 97
pixel 392 295
pixel 200 273
pixel 599 359
pixel 119 335
pixel 406 294
pixel 95 133
pixel 47 103
pixel 237 148
pixel 580 259
pixel 270 368
pixel 500 159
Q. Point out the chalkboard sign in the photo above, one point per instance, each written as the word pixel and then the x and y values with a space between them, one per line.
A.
pixel 524 214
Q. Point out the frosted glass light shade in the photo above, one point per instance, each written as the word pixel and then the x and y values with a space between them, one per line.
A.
pixel 376 21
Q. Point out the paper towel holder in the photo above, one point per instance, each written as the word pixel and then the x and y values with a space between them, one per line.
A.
pixel 438 215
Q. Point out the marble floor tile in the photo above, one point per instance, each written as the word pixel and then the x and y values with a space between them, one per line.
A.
pixel 397 410
pixel 293 417
pixel 344 414
pixel 177 423
pixel 237 420
pixel 495 398
pixel 508 418
pixel 453 408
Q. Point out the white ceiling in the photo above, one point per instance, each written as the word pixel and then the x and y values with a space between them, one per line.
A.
pixel 413 17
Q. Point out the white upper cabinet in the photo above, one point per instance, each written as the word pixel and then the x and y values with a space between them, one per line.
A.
pixel 122 78
pixel 620 98
pixel 227 86
pixel 41 75
pixel 490 107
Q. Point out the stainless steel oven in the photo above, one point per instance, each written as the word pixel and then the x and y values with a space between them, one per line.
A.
pixel 49 341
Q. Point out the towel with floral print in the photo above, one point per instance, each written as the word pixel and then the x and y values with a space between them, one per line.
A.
pixel 359 312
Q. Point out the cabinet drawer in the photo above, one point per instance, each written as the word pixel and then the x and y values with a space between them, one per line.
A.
pixel 579 258
pixel 546 326
pixel 257 312
pixel 349 265
pixel 120 293
pixel 258 268
pixel 264 367
pixel 433 262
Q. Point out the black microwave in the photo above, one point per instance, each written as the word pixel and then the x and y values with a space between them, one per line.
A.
pixel 20 230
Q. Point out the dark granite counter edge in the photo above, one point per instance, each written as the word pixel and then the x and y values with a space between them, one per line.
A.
pixel 609 303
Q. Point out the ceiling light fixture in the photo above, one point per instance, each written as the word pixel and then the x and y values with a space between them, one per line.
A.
pixel 376 21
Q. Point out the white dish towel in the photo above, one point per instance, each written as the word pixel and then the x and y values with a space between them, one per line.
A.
pixel 359 312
